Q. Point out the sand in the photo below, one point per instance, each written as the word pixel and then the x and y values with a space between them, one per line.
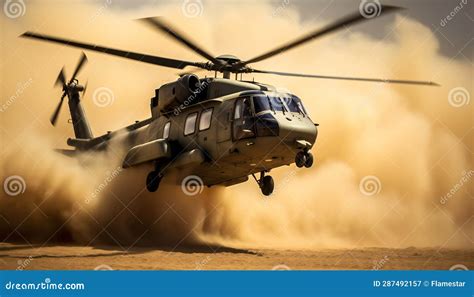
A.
pixel 67 257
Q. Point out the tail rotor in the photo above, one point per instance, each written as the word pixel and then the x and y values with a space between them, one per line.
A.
pixel 68 88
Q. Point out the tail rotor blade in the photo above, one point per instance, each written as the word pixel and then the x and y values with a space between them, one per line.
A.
pixel 85 89
pixel 61 80
pixel 81 63
pixel 55 115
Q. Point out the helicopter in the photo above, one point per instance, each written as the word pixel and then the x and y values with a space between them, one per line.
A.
pixel 218 129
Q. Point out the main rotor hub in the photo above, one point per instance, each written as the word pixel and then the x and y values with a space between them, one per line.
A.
pixel 229 59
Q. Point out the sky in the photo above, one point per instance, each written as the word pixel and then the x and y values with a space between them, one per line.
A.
pixel 455 34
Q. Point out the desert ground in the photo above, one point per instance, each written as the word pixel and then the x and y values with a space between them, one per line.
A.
pixel 65 257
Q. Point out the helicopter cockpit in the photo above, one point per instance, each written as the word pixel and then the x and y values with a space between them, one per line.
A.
pixel 257 116
pixel 279 103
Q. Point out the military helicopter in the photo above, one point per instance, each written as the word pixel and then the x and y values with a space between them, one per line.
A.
pixel 215 128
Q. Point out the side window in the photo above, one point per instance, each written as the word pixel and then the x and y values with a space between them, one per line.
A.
pixel 247 108
pixel 205 119
pixel 166 130
pixel 190 124
pixel 238 109
pixel 242 108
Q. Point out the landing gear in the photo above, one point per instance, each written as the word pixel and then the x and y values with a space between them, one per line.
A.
pixel 265 183
pixel 309 160
pixel 304 158
pixel 153 181
pixel 300 159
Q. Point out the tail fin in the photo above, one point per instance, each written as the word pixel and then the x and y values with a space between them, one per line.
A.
pixel 82 129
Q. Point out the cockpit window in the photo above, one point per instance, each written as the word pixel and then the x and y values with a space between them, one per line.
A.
pixel 292 105
pixel 277 104
pixel 300 105
pixel 289 103
pixel 261 103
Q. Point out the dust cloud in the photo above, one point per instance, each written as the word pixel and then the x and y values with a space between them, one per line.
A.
pixel 393 163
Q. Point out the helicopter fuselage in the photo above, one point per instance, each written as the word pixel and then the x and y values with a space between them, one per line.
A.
pixel 252 128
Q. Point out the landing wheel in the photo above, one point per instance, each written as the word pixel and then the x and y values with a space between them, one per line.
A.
pixel 267 185
pixel 300 159
pixel 309 160
pixel 153 181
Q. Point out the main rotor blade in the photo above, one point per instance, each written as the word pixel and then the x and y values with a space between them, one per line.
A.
pixel 81 63
pixel 155 60
pixel 349 20
pixel 380 80
pixel 55 115
pixel 61 80
pixel 166 28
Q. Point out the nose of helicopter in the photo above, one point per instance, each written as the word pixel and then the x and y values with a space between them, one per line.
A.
pixel 295 131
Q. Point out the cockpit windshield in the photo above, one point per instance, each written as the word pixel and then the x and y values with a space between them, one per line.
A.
pixel 297 101
pixel 289 103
